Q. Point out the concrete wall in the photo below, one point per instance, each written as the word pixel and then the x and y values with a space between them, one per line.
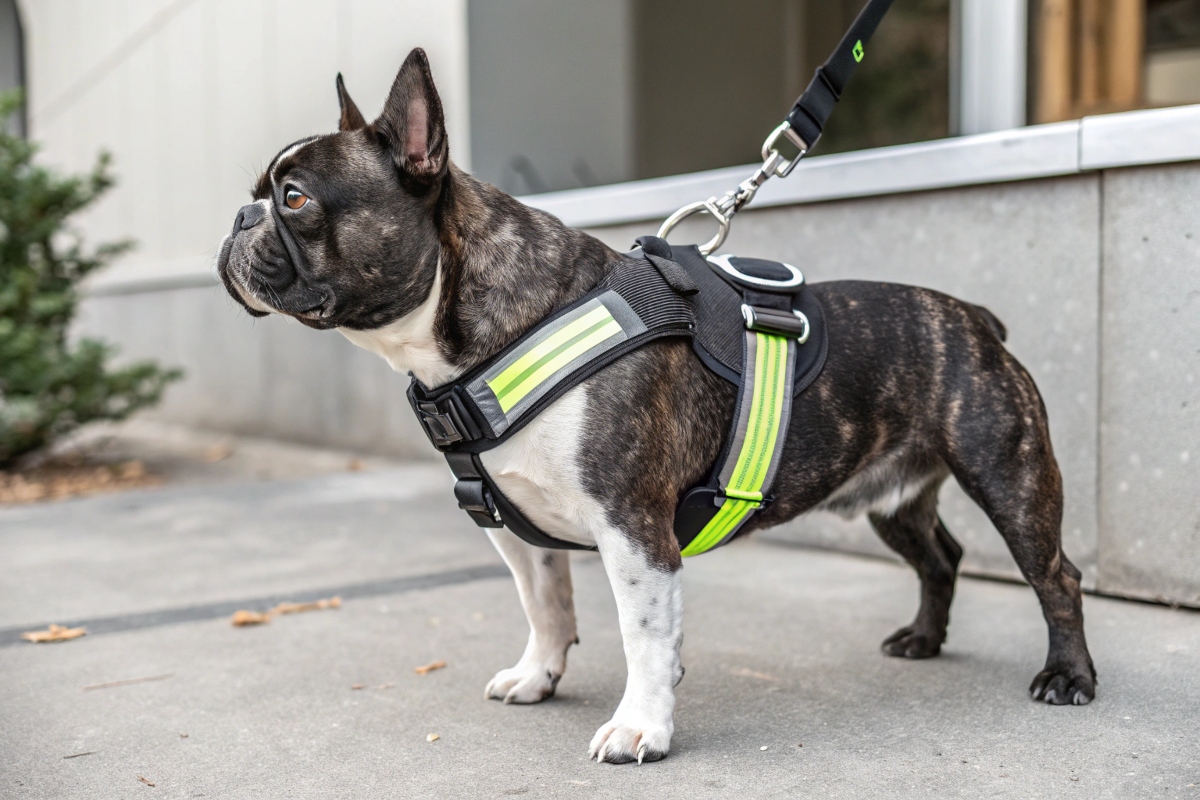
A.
pixel 266 377
pixel 1149 503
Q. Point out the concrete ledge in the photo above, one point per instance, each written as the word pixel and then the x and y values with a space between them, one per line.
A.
pixel 1140 137
pixel 1040 151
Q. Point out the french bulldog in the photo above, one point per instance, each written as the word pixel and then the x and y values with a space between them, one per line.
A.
pixel 373 232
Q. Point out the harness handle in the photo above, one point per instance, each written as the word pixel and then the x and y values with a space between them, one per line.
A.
pixel 802 129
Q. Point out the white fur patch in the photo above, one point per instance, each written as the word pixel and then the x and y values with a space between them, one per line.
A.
pixel 883 488
pixel 291 151
pixel 408 344
pixel 538 470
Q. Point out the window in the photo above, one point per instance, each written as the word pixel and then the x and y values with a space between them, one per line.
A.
pixel 1097 56
pixel 12 67
pixel 570 93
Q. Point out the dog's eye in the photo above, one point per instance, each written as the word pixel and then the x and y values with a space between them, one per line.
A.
pixel 295 199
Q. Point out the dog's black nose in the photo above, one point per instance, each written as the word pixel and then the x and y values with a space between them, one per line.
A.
pixel 248 216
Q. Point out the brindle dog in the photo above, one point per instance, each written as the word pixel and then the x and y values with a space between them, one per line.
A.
pixel 372 231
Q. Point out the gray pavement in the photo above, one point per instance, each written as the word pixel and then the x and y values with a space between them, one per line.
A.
pixel 781 652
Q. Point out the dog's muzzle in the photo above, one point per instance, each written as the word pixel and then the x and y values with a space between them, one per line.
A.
pixel 275 269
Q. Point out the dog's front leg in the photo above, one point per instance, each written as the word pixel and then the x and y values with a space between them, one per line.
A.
pixel 649 597
pixel 544 585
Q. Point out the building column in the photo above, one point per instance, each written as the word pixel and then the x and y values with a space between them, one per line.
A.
pixel 991 65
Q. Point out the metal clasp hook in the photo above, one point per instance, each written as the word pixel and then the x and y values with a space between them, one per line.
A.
pixel 774 164
pixel 708 206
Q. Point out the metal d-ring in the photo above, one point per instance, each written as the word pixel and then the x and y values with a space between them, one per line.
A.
pixel 709 206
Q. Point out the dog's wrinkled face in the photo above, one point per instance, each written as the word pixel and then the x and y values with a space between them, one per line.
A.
pixel 342 229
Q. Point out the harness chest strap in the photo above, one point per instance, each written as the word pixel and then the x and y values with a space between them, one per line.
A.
pixel 756 441
pixel 634 305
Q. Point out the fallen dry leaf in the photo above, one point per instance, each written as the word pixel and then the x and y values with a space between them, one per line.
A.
pixel 143 780
pixel 433 737
pixel 356 465
pixel 386 686
pixel 316 605
pixel 183 736
pixel 358 686
pixel 243 618
pixel 55 633
pixel 128 681
pixel 428 668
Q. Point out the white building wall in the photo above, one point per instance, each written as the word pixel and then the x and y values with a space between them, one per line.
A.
pixel 193 97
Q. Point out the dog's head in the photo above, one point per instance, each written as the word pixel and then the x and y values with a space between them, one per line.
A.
pixel 342 230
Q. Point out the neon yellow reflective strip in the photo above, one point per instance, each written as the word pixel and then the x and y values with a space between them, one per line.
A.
pixel 548 357
pixel 727 519
pixel 744 491
pixel 751 454
pixel 514 371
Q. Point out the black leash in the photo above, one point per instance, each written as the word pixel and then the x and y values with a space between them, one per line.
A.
pixel 802 129
pixel 811 111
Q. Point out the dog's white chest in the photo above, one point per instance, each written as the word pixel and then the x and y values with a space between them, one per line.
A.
pixel 538 471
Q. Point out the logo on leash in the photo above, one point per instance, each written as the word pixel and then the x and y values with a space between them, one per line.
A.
pixel 859 51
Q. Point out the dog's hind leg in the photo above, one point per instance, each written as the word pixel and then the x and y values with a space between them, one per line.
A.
pixel 916 532
pixel 544 585
pixel 1016 481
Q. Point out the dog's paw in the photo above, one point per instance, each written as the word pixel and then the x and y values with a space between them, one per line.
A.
pixel 621 741
pixel 522 684
pixel 906 643
pixel 1059 688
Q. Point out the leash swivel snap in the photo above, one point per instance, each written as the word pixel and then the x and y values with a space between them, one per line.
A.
pixel 802 128
pixel 775 164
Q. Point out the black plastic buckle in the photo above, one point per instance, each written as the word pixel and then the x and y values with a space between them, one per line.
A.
pixel 474 497
pixel 445 420
pixel 440 426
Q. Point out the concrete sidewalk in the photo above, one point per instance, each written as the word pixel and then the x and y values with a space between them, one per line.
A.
pixel 781 651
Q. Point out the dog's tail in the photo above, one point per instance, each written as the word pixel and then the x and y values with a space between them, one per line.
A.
pixel 994 323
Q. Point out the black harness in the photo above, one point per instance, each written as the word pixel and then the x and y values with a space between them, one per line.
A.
pixel 655 291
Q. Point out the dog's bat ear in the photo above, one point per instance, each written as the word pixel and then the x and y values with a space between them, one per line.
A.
pixel 352 118
pixel 412 121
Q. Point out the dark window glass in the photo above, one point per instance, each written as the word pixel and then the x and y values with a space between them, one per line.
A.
pixel 573 93
pixel 1172 52
pixel 12 68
